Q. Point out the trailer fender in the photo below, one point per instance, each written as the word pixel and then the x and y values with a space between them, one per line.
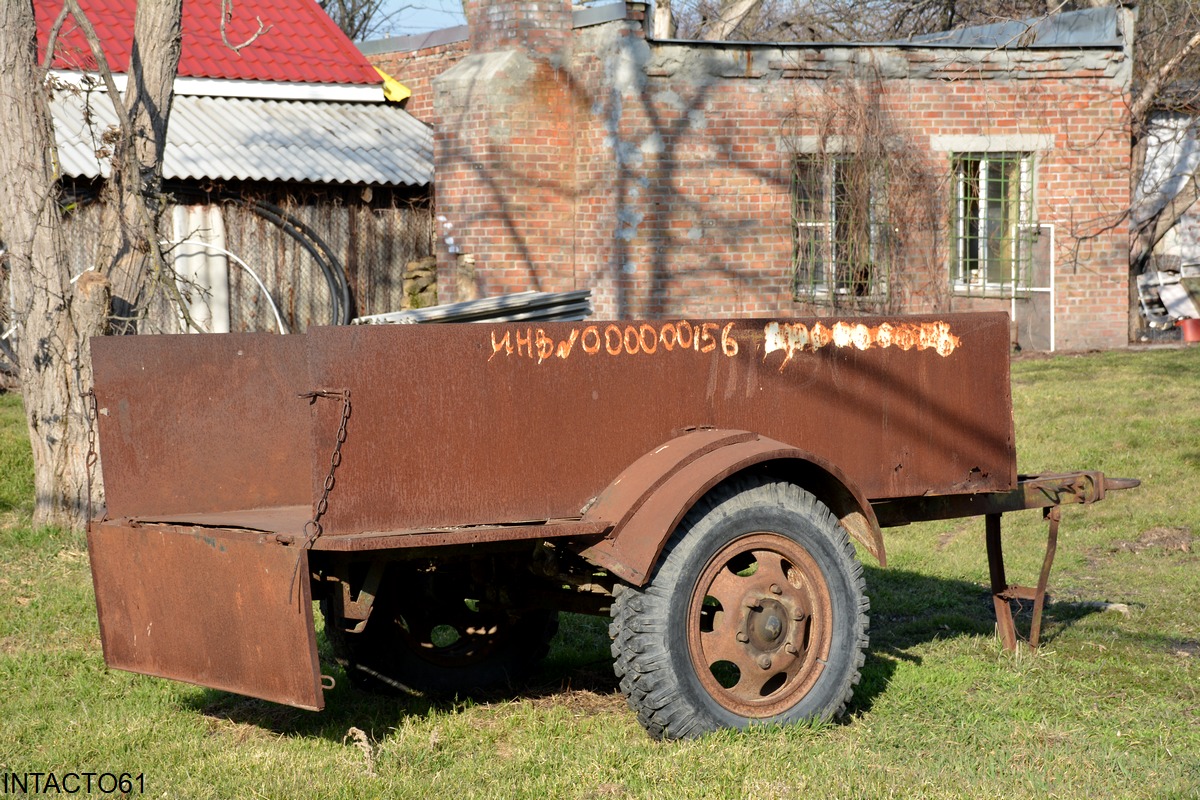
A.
pixel 648 499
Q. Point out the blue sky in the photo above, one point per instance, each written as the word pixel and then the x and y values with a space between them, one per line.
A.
pixel 421 16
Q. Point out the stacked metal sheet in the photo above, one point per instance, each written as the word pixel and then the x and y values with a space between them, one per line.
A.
pixel 520 307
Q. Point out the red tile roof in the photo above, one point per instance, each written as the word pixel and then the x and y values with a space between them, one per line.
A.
pixel 302 45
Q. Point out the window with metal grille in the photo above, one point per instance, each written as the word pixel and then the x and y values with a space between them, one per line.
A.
pixel 838 208
pixel 993 223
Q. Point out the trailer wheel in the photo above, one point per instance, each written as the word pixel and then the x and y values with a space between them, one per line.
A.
pixel 756 614
pixel 425 635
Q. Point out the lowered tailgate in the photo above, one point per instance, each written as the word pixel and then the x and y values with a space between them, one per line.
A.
pixel 223 608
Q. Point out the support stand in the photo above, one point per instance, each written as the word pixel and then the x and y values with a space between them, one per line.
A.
pixel 1003 594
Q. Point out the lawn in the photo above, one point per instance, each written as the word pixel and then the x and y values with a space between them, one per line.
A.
pixel 1109 707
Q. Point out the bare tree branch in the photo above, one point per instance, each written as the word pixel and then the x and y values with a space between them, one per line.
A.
pixel 93 40
pixel 1152 231
pixel 1152 89
pixel 226 15
pixel 163 274
pixel 730 18
pixel 52 37
pixel 361 19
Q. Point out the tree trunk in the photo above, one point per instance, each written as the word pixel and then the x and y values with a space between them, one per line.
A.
pixel 129 251
pixel 663 22
pixel 733 13
pixel 55 315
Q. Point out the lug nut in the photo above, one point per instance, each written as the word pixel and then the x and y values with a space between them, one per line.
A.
pixel 775 589
pixel 742 637
pixel 765 662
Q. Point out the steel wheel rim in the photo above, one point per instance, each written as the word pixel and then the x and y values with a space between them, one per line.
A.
pixel 759 625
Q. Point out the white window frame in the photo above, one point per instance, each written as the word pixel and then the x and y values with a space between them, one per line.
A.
pixel 979 283
pixel 821 281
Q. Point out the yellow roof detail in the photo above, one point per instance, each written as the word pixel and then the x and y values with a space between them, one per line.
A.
pixel 393 89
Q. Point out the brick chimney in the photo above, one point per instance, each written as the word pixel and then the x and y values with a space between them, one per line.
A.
pixel 504 152
pixel 539 27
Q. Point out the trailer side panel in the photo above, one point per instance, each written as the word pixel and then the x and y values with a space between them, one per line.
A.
pixel 469 424
pixel 199 423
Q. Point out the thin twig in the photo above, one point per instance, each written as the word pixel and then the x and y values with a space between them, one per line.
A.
pixel 226 15
pixel 52 38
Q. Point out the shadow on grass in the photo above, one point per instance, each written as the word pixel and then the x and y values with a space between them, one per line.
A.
pixel 577 672
pixel 908 609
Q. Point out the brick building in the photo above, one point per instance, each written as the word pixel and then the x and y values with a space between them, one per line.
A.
pixel 983 169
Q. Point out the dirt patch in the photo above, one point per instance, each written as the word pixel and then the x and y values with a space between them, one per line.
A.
pixel 1168 540
pixel 948 538
pixel 1186 648
pixel 239 732
pixel 583 702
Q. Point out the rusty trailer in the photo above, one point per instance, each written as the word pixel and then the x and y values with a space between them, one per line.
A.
pixel 439 493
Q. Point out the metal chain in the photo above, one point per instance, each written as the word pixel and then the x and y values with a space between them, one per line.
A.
pixel 89 413
pixel 312 528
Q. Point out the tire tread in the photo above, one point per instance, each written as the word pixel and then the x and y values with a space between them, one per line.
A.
pixel 641 660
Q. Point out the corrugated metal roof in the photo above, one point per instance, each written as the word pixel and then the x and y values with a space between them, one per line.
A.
pixel 269 140
pixel 302 45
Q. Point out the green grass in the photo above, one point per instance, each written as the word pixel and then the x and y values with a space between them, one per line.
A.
pixel 1109 707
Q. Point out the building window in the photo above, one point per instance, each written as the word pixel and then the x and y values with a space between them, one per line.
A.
pixel 993 223
pixel 840 227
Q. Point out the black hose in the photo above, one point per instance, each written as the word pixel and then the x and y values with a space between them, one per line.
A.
pixel 331 267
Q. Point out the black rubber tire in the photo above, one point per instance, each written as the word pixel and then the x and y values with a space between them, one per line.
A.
pixel 396 652
pixel 660 632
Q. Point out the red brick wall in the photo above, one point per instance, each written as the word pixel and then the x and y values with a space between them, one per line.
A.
pixel 504 176
pixel 416 70
pixel 659 175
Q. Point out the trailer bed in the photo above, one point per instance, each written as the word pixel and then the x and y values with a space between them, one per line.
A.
pixel 248 476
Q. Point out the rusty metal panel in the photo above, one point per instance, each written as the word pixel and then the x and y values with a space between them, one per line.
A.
pixel 467 536
pixel 282 519
pixel 643 532
pixel 468 424
pixel 227 609
pixel 621 499
pixel 199 423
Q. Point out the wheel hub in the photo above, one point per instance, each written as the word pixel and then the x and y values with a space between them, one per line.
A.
pixel 759 624
pixel 765 625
